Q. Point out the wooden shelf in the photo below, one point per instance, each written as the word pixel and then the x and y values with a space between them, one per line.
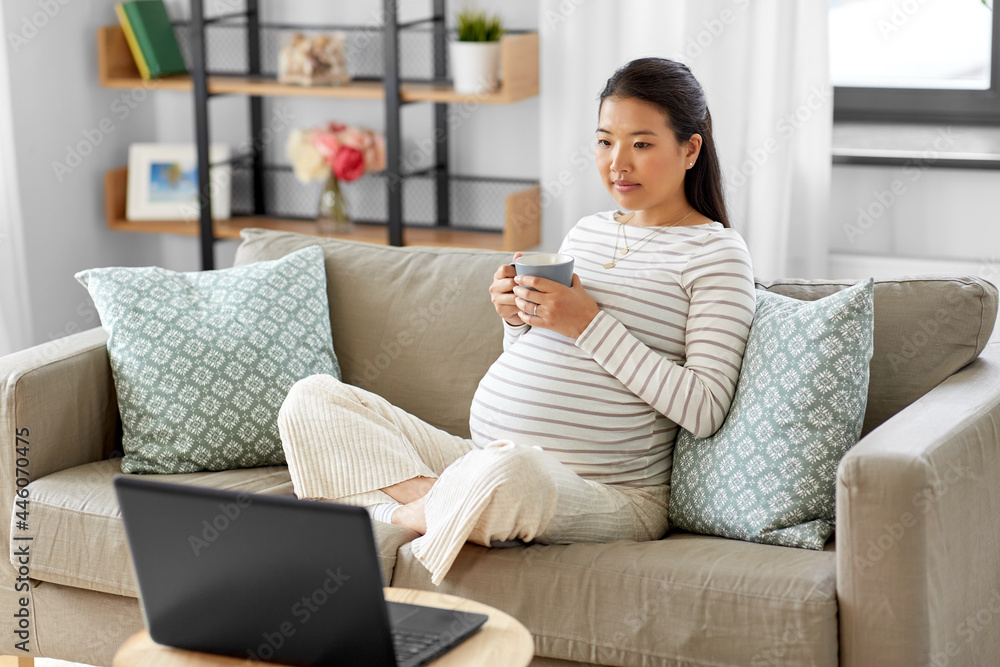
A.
pixel 518 56
pixel 521 229
pixel 518 62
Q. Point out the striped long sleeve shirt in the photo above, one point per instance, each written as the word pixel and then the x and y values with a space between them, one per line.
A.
pixel 664 350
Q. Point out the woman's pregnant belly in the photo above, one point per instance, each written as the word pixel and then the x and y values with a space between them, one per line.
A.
pixel 546 392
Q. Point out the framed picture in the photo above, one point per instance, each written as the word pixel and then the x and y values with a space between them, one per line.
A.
pixel 163 182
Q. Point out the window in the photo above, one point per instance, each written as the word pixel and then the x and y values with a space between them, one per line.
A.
pixel 915 60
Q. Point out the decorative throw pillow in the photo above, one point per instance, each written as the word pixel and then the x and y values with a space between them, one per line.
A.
pixel 768 474
pixel 203 361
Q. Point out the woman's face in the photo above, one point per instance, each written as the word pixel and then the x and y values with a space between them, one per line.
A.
pixel 639 159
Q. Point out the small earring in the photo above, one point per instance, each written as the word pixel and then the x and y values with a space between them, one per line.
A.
pixel 690 164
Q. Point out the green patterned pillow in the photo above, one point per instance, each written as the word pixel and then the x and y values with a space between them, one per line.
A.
pixel 768 474
pixel 202 361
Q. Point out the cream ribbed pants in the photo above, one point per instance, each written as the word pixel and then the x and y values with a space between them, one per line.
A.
pixel 344 444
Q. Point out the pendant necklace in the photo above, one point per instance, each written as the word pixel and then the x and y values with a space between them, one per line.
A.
pixel 643 241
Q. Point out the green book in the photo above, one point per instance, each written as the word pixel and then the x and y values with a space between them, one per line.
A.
pixel 155 36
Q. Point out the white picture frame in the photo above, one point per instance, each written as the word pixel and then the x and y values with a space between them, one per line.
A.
pixel 163 182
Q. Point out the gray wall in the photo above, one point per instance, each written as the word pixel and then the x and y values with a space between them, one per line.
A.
pixel 916 212
pixel 58 106
pixel 491 140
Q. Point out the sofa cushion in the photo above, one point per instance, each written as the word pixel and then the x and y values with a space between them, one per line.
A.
pixel 79 538
pixel 202 361
pixel 926 328
pixel 768 475
pixel 686 599
pixel 386 306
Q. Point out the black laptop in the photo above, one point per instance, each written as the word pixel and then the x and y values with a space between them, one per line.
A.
pixel 272 578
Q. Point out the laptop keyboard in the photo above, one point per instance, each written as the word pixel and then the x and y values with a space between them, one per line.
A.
pixel 409 644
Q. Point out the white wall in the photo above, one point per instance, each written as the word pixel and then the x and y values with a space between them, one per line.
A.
pixel 491 140
pixel 916 212
pixel 15 319
pixel 57 103
pixel 889 222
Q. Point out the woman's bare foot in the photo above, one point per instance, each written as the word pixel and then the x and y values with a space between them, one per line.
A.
pixel 409 490
pixel 411 515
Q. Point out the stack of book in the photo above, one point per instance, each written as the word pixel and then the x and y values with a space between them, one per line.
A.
pixel 151 38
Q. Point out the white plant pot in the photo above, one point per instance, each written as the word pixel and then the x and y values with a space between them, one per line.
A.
pixel 475 66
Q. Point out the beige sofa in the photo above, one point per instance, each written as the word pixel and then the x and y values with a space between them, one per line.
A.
pixel 913 579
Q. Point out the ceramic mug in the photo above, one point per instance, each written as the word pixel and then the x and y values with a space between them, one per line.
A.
pixel 546 265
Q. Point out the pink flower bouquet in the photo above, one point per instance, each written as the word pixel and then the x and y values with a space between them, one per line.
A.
pixel 335 153
pixel 347 152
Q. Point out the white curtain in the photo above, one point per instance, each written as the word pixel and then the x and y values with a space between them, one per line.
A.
pixel 15 315
pixel 763 64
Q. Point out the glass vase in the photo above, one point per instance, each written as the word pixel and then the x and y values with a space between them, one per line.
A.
pixel 332 216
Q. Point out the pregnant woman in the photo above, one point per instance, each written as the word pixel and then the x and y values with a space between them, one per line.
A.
pixel 573 426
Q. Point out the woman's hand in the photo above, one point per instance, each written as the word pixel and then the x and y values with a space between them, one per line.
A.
pixel 502 295
pixel 565 310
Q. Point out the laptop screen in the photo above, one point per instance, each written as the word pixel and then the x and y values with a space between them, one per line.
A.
pixel 256 576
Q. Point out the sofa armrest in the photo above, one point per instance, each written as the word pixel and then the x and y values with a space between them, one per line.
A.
pixel 918 529
pixel 60 397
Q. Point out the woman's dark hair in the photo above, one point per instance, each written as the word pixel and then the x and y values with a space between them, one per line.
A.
pixel 671 86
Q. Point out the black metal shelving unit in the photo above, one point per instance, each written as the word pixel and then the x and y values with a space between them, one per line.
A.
pixel 395 180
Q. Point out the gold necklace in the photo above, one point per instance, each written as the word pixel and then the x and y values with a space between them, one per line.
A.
pixel 643 241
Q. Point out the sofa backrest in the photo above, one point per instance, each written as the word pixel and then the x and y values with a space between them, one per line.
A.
pixel 416 325
pixel 926 328
pixel 413 324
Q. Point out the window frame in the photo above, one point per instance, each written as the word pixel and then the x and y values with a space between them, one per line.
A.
pixel 922 104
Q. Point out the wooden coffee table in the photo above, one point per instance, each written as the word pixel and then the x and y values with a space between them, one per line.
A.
pixel 501 642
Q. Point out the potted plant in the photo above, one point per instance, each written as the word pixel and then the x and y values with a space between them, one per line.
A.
pixel 475 56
